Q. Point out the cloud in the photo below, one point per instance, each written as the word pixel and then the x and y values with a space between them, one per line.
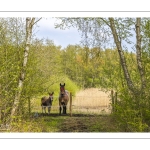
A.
pixel 47 23
pixel 46 29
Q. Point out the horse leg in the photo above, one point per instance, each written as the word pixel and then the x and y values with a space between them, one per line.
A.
pixel 45 109
pixel 64 109
pixel 60 110
pixel 42 109
pixel 49 108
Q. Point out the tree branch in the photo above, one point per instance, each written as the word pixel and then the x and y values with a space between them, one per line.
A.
pixel 105 21
pixel 37 21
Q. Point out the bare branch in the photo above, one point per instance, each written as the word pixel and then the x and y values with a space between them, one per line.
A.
pixel 105 21
pixel 37 21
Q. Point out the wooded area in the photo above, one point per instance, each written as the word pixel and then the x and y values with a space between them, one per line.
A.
pixel 31 67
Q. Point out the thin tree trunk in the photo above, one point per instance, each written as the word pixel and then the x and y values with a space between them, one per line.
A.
pixel 138 52
pixel 121 55
pixel 29 25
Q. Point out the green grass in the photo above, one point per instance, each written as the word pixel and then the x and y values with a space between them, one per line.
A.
pixel 65 123
pixel 52 124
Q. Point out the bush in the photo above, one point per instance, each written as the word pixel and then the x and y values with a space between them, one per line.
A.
pixel 130 113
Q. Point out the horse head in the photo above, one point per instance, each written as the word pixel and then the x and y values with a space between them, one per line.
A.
pixel 51 96
pixel 62 89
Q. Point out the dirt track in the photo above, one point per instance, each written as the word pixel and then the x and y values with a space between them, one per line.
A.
pixel 81 123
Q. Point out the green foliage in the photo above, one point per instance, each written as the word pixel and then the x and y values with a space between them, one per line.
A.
pixel 70 86
pixel 77 66
pixel 11 50
pixel 131 113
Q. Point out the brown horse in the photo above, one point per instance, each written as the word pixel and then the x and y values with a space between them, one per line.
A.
pixel 47 102
pixel 63 99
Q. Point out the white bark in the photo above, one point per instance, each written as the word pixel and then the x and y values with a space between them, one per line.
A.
pixel 138 52
pixel 29 25
pixel 121 55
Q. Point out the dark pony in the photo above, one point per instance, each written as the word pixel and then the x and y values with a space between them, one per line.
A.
pixel 63 99
pixel 47 102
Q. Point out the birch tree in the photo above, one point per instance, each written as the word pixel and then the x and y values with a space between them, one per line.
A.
pixel 30 22
pixel 100 31
pixel 139 52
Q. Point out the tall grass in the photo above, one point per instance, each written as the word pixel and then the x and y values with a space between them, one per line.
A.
pixel 92 100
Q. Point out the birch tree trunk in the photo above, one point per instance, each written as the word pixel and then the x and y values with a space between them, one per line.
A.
pixel 29 25
pixel 138 52
pixel 121 55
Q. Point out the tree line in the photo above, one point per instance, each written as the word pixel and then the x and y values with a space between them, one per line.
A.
pixel 31 67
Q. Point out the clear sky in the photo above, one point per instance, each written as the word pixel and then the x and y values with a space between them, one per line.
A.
pixel 65 37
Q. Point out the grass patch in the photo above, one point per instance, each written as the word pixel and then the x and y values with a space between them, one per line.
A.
pixel 65 123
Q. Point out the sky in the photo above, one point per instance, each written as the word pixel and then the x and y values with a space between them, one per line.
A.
pixel 45 29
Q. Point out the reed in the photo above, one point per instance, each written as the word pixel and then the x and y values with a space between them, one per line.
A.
pixel 92 100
